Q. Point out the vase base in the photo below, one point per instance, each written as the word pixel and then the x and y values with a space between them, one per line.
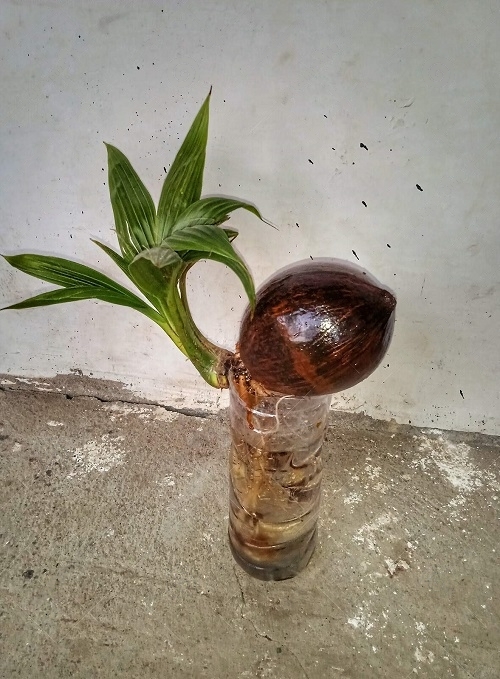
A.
pixel 279 563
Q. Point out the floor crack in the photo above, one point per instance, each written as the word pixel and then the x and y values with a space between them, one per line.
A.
pixel 188 412
pixel 264 635
pixel 297 660
pixel 243 602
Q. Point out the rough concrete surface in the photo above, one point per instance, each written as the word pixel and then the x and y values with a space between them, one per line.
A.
pixel 115 563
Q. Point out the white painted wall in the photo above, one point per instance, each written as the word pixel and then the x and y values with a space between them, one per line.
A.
pixel 417 82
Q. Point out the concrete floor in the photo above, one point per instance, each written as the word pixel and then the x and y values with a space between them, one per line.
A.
pixel 114 560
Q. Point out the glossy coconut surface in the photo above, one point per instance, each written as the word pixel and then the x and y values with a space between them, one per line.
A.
pixel 318 327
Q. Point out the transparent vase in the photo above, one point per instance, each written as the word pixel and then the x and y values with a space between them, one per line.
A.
pixel 275 472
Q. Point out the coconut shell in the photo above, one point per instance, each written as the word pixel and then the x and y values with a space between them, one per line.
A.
pixel 318 327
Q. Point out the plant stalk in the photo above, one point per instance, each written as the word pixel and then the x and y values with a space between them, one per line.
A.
pixel 209 359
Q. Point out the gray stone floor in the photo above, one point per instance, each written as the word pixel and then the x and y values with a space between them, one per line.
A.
pixel 114 559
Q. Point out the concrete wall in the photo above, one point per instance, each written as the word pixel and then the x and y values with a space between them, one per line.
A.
pixel 298 86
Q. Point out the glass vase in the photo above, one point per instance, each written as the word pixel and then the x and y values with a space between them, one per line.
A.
pixel 275 471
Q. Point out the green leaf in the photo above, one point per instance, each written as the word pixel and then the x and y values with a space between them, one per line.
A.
pixel 183 183
pixel 163 276
pixel 231 234
pixel 117 259
pixel 79 282
pixel 144 284
pixel 133 207
pixel 62 271
pixel 238 266
pixel 203 237
pixel 120 261
pixel 158 282
pixel 213 210
pixel 76 294
pixel 211 242
pixel 160 256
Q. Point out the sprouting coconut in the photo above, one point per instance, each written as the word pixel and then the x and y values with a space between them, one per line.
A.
pixel 312 329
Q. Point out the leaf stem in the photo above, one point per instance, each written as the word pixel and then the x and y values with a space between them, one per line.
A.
pixel 208 358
